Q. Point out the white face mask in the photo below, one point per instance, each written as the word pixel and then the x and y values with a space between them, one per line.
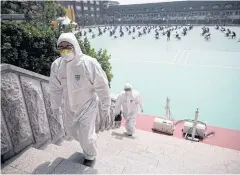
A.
pixel 68 56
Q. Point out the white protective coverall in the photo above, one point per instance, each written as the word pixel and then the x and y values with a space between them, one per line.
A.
pixel 129 103
pixel 81 83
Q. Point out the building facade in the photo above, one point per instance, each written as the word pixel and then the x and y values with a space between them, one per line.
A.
pixel 86 12
pixel 195 12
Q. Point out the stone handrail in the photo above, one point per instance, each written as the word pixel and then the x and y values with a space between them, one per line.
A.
pixel 26 115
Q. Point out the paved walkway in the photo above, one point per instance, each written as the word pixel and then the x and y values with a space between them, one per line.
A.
pixel 145 153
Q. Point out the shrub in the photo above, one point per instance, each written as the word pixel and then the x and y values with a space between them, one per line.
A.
pixel 102 56
pixel 34 48
pixel 29 47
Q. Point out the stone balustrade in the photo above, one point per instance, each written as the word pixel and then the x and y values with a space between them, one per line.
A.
pixel 26 114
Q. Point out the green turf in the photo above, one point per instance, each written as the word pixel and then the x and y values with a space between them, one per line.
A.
pixel 192 72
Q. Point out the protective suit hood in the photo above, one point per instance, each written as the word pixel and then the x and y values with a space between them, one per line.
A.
pixel 128 86
pixel 70 37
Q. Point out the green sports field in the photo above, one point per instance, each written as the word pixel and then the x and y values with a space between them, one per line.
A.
pixel 193 72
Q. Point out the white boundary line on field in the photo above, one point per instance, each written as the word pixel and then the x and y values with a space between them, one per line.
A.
pixel 169 63
pixel 175 57
pixel 183 53
pixel 189 52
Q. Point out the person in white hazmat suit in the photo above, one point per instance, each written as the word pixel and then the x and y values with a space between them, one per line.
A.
pixel 80 81
pixel 129 101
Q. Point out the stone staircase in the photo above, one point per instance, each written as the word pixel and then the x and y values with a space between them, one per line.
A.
pixel 146 152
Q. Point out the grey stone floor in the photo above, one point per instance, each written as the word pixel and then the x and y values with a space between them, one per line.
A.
pixel 144 153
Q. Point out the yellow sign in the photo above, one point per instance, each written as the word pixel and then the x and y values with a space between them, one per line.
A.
pixel 70 14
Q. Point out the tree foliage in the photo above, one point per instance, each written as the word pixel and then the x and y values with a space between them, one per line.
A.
pixel 28 47
pixel 102 56
pixel 34 48
pixel 40 12
pixel 51 11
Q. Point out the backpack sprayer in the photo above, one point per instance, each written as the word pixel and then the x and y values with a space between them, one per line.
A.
pixel 166 124
pixel 193 130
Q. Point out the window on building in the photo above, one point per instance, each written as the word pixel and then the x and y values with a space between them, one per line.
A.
pixel 92 9
pixel 85 2
pixel 231 13
pixel 78 7
pixel 91 2
pixel 97 2
pixel 216 6
pixel 202 7
pixel 190 8
pixel 97 9
pixel 85 8
pixel 228 6
pixel 236 13
pixel 92 14
pixel 163 9
pixel 69 6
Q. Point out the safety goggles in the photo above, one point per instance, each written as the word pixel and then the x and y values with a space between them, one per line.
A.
pixel 65 48
pixel 127 89
pixel 65 51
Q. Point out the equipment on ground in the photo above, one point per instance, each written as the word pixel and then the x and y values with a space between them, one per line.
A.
pixel 198 130
pixel 195 130
pixel 166 124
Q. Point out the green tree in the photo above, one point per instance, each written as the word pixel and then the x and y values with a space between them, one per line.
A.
pixel 29 8
pixel 34 48
pixel 102 56
pixel 40 12
pixel 51 11
pixel 27 46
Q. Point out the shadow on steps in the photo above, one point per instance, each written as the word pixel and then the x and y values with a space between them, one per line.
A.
pixel 72 165
pixel 121 136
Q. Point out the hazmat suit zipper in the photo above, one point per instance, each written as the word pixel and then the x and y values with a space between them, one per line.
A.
pixel 69 89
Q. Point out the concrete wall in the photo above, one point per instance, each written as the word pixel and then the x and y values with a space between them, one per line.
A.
pixel 26 115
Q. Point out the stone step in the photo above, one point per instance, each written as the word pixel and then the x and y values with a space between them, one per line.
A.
pixel 72 152
pixel 34 161
pixel 109 161
pixel 65 150
pixel 152 153
pixel 69 167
